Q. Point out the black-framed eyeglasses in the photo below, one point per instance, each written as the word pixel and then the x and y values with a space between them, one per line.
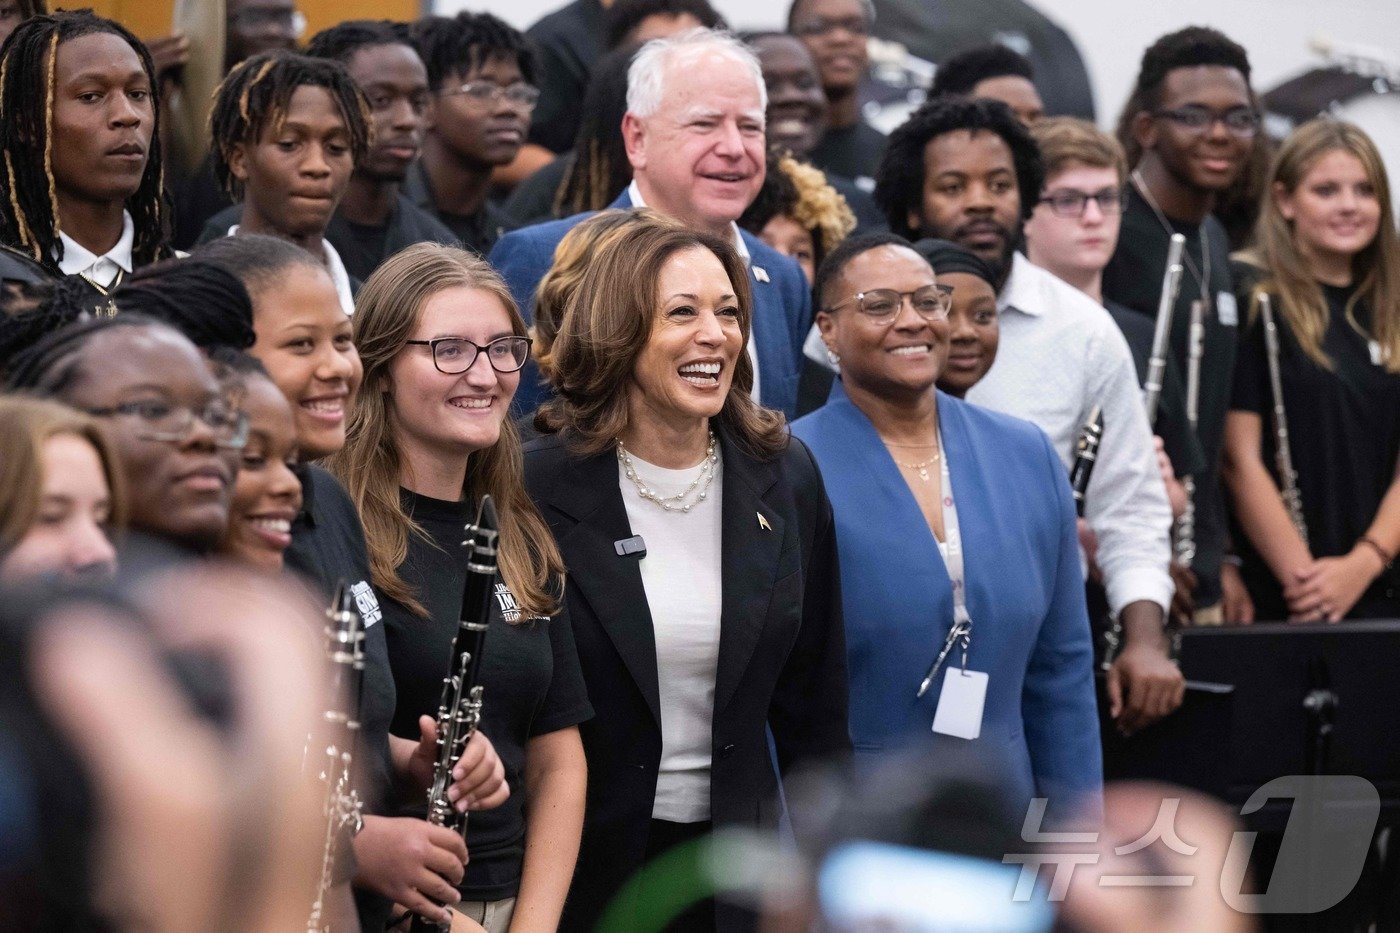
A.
pixel 1070 202
pixel 1241 121
pixel 455 355
pixel 932 302
pixel 821 26
pixel 161 420
pixel 488 93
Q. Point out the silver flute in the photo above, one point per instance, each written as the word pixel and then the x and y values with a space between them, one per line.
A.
pixel 1185 543
pixel 1283 456
pixel 345 649
pixel 1161 335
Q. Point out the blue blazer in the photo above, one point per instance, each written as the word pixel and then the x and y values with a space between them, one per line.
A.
pixel 1025 594
pixel 782 310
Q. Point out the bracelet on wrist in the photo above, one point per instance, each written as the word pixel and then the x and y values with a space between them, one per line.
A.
pixel 1386 557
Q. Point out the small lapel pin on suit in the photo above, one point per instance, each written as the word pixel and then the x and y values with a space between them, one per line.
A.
pixel 760 273
pixel 763 522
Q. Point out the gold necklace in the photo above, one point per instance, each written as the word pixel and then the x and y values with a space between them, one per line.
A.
pixel 921 467
pixel 110 309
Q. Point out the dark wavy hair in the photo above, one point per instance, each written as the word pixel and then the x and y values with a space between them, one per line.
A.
pixel 341 41
pixel 626 15
pixel 608 324
pixel 899 182
pixel 458 45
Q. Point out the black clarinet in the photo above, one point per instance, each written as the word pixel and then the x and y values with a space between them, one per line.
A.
pixel 1086 454
pixel 459 710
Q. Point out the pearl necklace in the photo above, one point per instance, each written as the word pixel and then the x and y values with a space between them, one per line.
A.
pixel 677 502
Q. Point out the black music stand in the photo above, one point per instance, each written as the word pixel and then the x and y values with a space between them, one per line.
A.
pixel 1308 699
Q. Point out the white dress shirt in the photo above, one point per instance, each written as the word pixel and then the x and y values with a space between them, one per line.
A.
pixel 99 270
pixel 635 195
pixel 1060 354
pixel 339 277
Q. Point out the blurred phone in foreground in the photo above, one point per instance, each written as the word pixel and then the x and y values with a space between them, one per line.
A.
pixel 868 886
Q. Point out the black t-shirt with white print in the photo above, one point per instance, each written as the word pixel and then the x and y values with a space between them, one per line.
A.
pixel 530 675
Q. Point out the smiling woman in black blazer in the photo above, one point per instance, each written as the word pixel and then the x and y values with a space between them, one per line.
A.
pixel 702 577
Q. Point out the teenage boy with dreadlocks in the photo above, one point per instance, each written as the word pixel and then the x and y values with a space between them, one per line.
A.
pixel 81 154
pixel 481 75
pixel 287 131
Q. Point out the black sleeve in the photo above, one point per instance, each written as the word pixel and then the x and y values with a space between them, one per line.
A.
pixel 566 702
pixel 1250 391
pixel 810 703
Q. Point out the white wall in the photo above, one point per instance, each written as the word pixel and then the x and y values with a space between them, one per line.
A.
pixel 1112 34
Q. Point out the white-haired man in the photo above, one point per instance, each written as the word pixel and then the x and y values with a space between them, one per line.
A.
pixel 694 133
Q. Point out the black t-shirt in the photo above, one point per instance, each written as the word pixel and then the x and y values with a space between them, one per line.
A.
pixel 531 680
pixel 477 232
pixel 328 545
pixel 1344 437
pixel 1133 278
pixel 1181 445
pixel 361 247
pixel 853 151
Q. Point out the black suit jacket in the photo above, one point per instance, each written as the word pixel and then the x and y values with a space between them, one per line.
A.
pixel 782 652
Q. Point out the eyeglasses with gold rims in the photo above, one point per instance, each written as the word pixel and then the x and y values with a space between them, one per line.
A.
pixel 932 302
pixel 455 355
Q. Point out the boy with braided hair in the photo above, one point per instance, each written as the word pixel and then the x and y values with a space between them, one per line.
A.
pixel 287 131
pixel 79 153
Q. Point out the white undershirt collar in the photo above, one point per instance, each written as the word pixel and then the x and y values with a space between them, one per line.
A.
pixel 101 270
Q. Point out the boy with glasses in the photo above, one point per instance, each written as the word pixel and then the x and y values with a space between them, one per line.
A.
pixel 1188 129
pixel 482 81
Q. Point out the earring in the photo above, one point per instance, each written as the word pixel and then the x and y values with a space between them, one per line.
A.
pixel 833 357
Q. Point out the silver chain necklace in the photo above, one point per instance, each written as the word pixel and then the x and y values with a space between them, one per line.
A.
pixel 1202 278
pixel 676 503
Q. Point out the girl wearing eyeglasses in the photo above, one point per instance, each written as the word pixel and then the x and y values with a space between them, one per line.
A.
pixel 442 344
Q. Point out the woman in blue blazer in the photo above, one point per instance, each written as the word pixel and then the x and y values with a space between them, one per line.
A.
pixel 879 441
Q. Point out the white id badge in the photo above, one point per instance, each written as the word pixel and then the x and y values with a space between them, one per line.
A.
pixel 960 703
pixel 1226 309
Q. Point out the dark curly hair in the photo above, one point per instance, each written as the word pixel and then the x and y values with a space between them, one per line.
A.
pixel 899 182
pixel 455 46
pixel 964 71
pixel 1191 47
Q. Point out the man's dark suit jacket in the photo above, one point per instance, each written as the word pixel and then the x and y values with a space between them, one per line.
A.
pixel 782 654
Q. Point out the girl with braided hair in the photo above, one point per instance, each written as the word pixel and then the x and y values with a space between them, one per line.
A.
pixel 80 144
pixel 287 131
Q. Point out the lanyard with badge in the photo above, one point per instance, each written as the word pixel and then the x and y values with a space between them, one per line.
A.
pixel 964 693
